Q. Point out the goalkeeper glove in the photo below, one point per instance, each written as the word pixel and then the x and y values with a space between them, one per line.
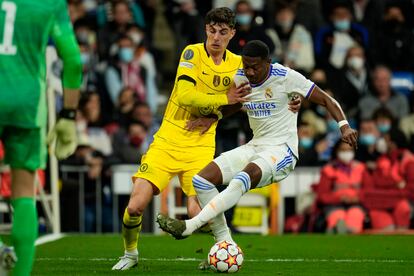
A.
pixel 65 133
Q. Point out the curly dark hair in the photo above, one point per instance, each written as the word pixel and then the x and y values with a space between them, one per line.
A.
pixel 221 16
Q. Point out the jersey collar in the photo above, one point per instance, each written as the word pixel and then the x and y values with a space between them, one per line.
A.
pixel 205 49
pixel 263 81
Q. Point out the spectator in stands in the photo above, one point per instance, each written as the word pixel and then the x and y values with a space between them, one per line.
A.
pixel 368 137
pixel 387 187
pixel 144 58
pixel 333 41
pixel 91 123
pixel 293 43
pixel 142 113
pixel 89 62
pixel 129 143
pixel 383 95
pixel 123 71
pixel 325 146
pixel 394 45
pixel 247 29
pixel 186 23
pixel 308 154
pixel 109 34
pixel 339 191
pixel 123 109
pixel 351 83
pixel 368 13
pixel 384 120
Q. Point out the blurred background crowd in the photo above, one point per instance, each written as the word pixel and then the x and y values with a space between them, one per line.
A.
pixel 360 51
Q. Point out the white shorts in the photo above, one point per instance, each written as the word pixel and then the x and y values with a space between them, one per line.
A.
pixel 275 162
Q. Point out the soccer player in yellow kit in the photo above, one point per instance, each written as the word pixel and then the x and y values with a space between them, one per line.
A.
pixel 204 82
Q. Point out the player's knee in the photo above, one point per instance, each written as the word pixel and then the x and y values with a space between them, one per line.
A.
pixel 201 184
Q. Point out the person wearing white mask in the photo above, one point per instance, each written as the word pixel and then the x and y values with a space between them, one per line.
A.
pixel 123 72
pixel 339 191
pixel 351 83
pixel 333 41
pixel 248 27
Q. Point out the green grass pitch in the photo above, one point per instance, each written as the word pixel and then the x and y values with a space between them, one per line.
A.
pixel 264 255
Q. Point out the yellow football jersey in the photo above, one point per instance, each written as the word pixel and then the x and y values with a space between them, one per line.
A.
pixel 211 83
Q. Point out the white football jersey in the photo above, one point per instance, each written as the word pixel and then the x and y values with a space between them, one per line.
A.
pixel 269 117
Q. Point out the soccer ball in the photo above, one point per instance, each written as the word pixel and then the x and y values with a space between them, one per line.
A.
pixel 225 256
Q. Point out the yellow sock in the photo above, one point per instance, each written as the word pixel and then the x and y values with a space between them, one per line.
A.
pixel 131 227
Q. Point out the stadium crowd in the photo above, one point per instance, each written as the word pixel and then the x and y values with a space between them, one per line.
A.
pixel 359 51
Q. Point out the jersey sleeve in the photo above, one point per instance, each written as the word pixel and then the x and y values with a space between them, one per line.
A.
pixel 297 83
pixel 186 82
pixel 67 47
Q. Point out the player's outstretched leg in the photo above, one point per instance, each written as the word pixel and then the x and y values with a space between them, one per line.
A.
pixel 7 259
pixel 173 226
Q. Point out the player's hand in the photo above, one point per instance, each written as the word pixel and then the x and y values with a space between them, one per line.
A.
pixel 294 104
pixel 66 137
pixel 349 136
pixel 236 94
pixel 203 124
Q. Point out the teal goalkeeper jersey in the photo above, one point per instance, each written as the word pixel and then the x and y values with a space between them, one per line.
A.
pixel 25 29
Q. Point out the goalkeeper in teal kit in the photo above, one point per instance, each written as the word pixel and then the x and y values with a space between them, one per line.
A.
pixel 25 28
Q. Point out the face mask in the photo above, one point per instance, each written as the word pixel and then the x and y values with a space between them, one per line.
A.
pixel 355 63
pixel 381 146
pixel 306 142
pixel 285 25
pixel 136 38
pixel 384 128
pixel 321 110
pixel 342 25
pixel 332 125
pixel 136 141
pixel 85 58
pixel 367 139
pixel 346 156
pixel 244 19
pixel 126 54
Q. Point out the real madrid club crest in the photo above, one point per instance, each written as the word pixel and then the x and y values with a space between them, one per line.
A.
pixel 268 93
pixel 216 80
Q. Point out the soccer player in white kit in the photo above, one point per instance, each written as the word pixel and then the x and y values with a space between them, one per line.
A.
pixel 272 153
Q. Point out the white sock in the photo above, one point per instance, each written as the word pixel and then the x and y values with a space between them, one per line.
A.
pixel 239 185
pixel 133 252
pixel 206 191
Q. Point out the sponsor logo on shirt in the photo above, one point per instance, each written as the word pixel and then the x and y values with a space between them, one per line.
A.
pixel 259 109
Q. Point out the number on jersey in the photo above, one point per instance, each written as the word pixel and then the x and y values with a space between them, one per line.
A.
pixel 6 46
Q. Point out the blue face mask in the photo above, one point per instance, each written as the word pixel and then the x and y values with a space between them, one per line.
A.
pixel 306 142
pixel 384 128
pixel 126 54
pixel 332 125
pixel 367 139
pixel 342 25
pixel 243 19
pixel 85 58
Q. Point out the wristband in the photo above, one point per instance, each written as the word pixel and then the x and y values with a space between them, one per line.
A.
pixel 68 113
pixel 219 115
pixel 342 123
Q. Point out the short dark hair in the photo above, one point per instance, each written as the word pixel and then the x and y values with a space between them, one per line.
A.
pixel 221 16
pixel 256 48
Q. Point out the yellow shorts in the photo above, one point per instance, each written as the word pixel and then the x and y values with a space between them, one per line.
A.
pixel 163 161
